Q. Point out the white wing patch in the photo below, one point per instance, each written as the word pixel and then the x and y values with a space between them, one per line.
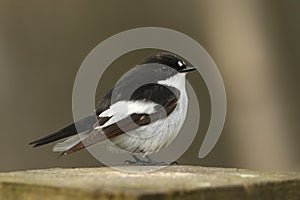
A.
pixel 123 109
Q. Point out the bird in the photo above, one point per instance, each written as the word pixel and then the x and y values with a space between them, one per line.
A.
pixel 141 114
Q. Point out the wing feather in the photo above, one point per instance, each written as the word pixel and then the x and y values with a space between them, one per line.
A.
pixel 125 125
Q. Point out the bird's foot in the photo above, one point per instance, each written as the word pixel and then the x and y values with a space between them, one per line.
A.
pixel 148 162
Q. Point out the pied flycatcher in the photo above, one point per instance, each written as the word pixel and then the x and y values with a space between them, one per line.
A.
pixel 141 114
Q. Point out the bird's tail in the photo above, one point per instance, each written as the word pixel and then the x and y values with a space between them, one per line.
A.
pixel 85 124
pixel 70 142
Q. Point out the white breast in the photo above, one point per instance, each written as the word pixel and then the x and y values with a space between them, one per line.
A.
pixel 151 138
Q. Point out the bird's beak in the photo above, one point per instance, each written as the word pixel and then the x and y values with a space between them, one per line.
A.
pixel 187 69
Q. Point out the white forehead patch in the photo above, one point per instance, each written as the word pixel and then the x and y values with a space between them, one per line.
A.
pixel 180 63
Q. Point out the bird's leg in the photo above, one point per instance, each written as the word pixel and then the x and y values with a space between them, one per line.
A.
pixel 149 159
pixel 148 162
pixel 136 161
pixel 152 162
pixel 136 158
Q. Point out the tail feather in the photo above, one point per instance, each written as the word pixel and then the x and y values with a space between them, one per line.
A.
pixel 70 142
pixel 63 133
pixel 85 124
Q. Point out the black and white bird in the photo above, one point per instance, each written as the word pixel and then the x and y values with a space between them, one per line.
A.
pixel 143 113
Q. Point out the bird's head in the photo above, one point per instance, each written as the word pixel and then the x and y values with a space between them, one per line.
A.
pixel 166 60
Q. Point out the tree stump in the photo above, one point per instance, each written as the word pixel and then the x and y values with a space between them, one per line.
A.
pixel 173 182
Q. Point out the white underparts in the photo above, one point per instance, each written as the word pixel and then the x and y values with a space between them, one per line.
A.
pixel 177 81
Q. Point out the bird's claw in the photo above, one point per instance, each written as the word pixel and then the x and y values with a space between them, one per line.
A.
pixel 149 163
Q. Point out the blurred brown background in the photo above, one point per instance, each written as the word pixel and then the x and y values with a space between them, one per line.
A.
pixel 255 44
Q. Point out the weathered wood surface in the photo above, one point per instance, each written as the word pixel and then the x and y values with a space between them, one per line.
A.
pixel 174 182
